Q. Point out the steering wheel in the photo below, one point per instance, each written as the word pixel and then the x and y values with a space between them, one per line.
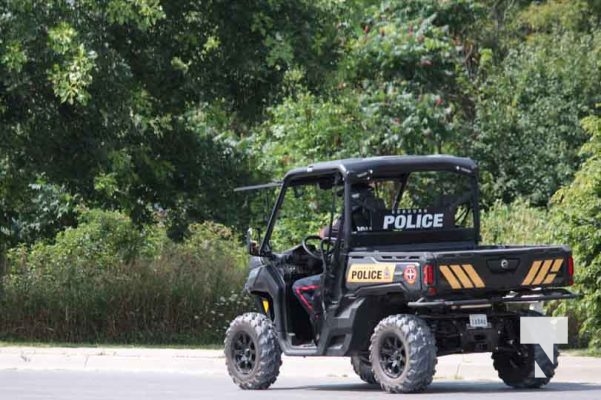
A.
pixel 306 247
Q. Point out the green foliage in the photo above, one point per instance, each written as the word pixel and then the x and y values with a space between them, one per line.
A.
pixel 14 57
pixel 102 240
pixel 155 110
pixel 516 223
pixel 70 81
pixel 45 210
pixel 305 128
pixel 527 115
pixel 399 91
pixel 577 212
pixel 143 13
pixel 408 66
pixel 543 17
pixel 106 281
pixel 538 74
pixel 97 98
pixel 245 49
pixel 411 41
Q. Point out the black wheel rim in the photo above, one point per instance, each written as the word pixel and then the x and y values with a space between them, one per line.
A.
pixel 244 353
pixel 393 356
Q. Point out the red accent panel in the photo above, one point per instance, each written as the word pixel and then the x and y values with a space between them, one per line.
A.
pixel 299 293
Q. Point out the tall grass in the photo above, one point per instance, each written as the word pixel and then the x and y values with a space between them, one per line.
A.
pixel 106 281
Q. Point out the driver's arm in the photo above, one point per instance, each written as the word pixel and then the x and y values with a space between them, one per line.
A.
pixel 325 231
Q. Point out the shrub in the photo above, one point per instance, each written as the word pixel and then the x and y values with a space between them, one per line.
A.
pixel 106 281
pixel 527 116
pixel 515 223
pixel 577 212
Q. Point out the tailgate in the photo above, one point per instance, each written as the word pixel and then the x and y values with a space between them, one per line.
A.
pixel 502 268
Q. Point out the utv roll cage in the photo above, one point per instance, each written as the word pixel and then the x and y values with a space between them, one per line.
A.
pixel 355 170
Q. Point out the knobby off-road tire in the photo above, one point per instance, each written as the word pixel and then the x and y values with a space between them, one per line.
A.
pixel 252 353
pixel 517 369
pixel 403 354
pixel 362 367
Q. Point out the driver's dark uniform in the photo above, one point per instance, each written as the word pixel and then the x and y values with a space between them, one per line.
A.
pixel 305 289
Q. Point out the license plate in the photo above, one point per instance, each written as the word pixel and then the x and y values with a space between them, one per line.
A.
pixel 478 321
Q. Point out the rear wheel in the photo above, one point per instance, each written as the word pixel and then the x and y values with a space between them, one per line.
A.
pixel 252 353
pixel 403 354
pixel 516 368
pixel 362 367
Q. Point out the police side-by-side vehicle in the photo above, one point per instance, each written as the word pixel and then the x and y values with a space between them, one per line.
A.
pixel 408 285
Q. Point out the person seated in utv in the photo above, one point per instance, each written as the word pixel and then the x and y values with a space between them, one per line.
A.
pixel 363 202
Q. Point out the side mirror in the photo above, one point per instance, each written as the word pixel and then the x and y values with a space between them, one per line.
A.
pixel 252 246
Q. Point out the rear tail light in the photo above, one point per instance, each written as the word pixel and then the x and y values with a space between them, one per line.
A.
pixel 570 270
pixel 428 275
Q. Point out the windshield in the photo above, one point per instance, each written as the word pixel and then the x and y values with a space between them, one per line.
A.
pixel 306 209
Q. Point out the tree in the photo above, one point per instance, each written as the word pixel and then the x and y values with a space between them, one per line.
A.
pixel 529 103
pixel 129 104
pixel 577 211
pixel 400 90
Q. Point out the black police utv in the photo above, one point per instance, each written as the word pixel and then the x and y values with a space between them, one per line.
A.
pixel 399 277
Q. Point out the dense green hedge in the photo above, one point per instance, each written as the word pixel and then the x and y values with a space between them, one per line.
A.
pixel 577 214
pixel 516 223
pixel 106 281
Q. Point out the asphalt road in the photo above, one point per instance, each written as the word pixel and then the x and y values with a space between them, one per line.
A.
pixel 95 385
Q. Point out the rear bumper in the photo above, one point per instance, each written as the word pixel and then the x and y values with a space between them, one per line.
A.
pixel 522 297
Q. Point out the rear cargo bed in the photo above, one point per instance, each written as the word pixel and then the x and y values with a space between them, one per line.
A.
pixel 501 268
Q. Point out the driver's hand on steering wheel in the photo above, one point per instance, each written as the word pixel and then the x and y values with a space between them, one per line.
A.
pixel 324 233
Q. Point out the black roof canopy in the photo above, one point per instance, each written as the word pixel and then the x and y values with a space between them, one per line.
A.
pixel 359 168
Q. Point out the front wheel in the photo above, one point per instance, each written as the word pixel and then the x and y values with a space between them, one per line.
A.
pixel 252 352
pixel 403 354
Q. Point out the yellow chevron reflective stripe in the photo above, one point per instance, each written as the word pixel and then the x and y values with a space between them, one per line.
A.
pixel 554 269
pixel 549 279
pixel 462 276
pixel 469 269
pixel 448 275
pixel 532 273
pixel 465 281
pixel 556 265
pixel 543 272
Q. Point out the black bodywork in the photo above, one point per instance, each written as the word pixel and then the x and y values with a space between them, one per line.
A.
pixel 441 275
